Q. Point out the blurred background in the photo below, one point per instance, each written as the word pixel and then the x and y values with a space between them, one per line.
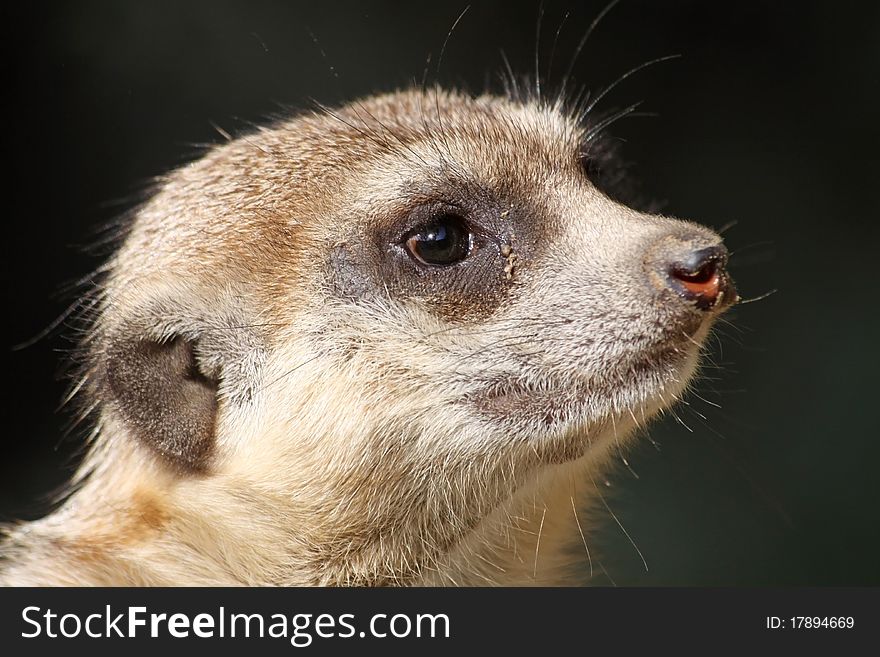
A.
pixel 769 120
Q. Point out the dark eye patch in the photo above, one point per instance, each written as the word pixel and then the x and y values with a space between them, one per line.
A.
pixel 447 257
pixel 456 247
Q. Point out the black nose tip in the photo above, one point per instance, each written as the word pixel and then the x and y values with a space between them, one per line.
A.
pixel 700 276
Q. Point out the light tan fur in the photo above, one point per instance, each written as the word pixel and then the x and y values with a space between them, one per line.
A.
pixel 375 438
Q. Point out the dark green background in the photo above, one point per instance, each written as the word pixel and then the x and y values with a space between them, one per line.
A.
pixel 768 119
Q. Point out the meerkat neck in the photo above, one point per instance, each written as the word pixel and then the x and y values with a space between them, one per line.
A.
pixel 528 540
pixel 138 523
pixel 202 533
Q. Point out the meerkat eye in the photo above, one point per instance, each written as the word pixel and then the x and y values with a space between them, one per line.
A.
pixel 590 165
pixel 442 241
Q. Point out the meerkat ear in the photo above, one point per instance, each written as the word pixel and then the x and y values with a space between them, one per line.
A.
pixel 164 399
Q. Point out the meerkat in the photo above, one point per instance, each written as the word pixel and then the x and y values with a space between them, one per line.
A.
pixel 393 343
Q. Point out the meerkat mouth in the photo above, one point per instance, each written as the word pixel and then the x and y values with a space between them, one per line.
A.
pixel 649 382
pixel 643 380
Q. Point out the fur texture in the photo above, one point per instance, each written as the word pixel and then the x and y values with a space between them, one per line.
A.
pixel 284 395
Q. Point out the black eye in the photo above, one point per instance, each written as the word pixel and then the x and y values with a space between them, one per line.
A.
pixel 603 166
pixel 598 164
pixel 590 167
pixel 442 241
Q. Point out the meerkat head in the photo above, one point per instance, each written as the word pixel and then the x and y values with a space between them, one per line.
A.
pixel 382 320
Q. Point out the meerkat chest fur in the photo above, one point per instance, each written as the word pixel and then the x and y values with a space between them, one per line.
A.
pixel 389 343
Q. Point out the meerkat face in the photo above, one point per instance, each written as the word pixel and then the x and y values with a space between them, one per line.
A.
pixel 392 312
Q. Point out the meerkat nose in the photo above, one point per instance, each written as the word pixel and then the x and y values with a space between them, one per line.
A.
pixel 700 276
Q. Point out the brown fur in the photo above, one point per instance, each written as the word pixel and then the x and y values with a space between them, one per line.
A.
pixel 353 417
